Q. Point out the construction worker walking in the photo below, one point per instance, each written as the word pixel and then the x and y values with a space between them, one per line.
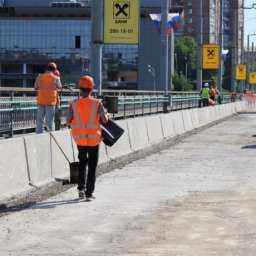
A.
pixel 84 118
pixel 47 86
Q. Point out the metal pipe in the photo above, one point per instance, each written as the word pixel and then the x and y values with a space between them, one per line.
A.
pixel 164 56
pixel 97 43
pixel 199 47
pixel 221 47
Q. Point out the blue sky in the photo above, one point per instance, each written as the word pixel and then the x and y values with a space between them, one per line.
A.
pixel 250 20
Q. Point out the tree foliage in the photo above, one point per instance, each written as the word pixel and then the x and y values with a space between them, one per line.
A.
pixel 186 53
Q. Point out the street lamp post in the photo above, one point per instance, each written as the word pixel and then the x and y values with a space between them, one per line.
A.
pixel 152 71
pixel 248 58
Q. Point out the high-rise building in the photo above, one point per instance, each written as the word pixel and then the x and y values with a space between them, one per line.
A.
pixel 210 19
pixel 35 32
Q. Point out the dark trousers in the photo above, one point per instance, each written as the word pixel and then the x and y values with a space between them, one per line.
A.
pixel 88 159
pixel 205 102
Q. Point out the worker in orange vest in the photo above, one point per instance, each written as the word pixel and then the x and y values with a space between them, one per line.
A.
pixel 84 118
pixel 47 86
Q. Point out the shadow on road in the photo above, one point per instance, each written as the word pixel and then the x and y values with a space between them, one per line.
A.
pixel 53 204
pixel 249 147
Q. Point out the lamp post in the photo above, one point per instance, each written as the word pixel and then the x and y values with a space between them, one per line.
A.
pixel 152 71
pixel 248 59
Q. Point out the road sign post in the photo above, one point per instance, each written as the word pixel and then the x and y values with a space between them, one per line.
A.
pixel 97 43
pixel 241 72
pixel 211 56
pixel 121 21
pixel 252 78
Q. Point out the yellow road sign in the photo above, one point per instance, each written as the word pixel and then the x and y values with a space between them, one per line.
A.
pixel 121 21
pixel 241 72
pixel 252 78
pixel 211 56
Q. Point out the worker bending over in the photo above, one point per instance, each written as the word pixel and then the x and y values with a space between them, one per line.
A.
pixel 84 118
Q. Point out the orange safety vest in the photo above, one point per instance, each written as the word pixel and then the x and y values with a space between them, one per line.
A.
pixel 47 90
pixel 85 123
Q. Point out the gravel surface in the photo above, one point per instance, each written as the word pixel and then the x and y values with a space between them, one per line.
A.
pixel 194 198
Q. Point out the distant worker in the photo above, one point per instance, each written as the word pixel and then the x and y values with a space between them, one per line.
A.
pixel 47 86
pixel 205 95
pixel 214 93
pixel 84 118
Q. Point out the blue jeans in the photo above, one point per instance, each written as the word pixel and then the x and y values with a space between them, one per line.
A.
pixel 46 112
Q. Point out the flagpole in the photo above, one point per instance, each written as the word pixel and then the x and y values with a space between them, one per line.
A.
pixel 164 72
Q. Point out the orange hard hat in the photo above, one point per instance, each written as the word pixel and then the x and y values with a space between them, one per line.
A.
pixel 86 82
pixel 52 65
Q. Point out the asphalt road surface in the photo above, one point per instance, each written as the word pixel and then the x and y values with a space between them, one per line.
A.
pixel 196 198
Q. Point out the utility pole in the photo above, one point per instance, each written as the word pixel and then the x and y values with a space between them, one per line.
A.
pixel 164 56
pixel 248 62
pixel 221 47
pixel 97 42
pixel 235 42
pixel 199 47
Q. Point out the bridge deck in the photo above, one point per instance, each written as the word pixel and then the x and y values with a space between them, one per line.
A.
pixel 196 198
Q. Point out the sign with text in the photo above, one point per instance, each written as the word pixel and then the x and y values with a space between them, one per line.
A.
pixel 252 78
pixel 211 56
pixel 121 21
pixel 241 72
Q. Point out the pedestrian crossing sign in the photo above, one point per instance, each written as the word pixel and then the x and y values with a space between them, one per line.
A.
pixel 241 72
pixel 252 78
pixel 211 56
pixel 121 21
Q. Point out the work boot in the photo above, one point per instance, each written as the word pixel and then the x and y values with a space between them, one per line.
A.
pixel 90 197
pixel 81 194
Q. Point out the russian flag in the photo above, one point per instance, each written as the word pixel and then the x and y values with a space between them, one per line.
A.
pixel 173 21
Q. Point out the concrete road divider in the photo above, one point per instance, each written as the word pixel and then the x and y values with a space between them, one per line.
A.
pixel 187 120
pixel 154 128
pixel 39 158
pixel 13 168
pixel 178 123
pixel 195 118
pixel 60 165
pixel 138 133
pixel 123 145
pixel 103 157
pixel 168 125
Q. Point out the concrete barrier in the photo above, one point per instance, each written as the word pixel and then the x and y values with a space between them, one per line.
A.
pixel 60 166
pixel 195 118
pixel 154 129
pixel 178 123
pixel 187 120
pixel 138 133
pixel 168 125
pixel 123 145
pixel 39 158
pixel 13 168
pixel 103 157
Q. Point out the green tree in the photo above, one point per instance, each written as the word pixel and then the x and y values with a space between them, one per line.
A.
pixel 186 57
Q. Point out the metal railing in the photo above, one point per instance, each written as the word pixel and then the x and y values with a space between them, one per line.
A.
pixel 18 106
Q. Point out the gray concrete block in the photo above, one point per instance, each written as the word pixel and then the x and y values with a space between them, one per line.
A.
pixel 138 133
pixel 39 158
pixel 122 146
pixel 154 127
pixel 13 168
pixel 168 125
pixel 60 165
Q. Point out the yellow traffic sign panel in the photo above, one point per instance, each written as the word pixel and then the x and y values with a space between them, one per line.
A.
pixel 241 72
pixel 121 21
pixel 211 56
pixel 252 78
